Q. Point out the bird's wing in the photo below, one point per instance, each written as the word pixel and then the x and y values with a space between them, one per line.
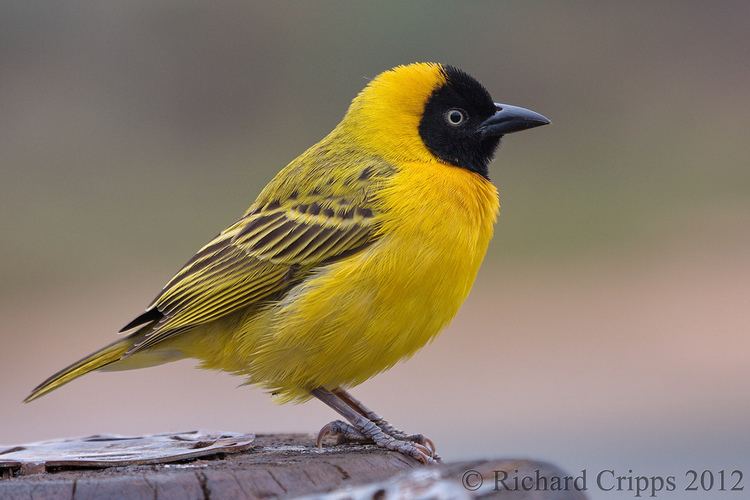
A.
pixel 262 255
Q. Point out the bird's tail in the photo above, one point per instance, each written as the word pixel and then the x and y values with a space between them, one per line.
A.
pixel 103 357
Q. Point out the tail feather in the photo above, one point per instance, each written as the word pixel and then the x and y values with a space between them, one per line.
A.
pixel 104 356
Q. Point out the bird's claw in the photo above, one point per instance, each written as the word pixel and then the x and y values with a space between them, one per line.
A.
pixel 416 438
pixel 423 440
pixel 344 433
pixel 410 448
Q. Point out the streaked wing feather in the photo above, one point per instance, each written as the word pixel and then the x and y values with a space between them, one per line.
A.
pixel 261 255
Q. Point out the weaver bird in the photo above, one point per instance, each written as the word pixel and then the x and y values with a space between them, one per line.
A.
pixel 352 258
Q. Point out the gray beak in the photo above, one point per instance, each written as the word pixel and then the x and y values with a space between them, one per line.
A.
pixel 508 119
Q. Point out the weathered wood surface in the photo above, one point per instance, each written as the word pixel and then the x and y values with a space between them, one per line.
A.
pixel 278 466
pixel 102 451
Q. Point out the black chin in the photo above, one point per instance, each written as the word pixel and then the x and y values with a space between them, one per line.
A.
pixel 485 153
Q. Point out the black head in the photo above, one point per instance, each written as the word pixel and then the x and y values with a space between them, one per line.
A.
pixel 461 124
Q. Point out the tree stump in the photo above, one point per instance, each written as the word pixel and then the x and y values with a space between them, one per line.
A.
pixel 205 466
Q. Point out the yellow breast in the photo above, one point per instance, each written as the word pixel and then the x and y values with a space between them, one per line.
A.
pixel 361 315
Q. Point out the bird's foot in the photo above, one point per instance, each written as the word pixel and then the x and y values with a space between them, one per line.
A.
pixel 383 424
pixel 365 424
pixel 409 448
pixel 402 436
pixel 414 445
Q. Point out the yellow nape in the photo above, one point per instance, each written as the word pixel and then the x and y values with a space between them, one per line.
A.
pixel 384 118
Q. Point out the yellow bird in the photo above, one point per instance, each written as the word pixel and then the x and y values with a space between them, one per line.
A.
pixel 352 258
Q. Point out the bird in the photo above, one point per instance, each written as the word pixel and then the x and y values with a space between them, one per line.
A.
pixel 353 257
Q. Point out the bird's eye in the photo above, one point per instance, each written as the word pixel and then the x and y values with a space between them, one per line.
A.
pixel 455 117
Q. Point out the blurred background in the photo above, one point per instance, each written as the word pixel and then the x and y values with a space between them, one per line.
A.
pixel 609 325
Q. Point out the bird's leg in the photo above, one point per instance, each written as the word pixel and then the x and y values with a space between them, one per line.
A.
pixel 347 433
pixel 382 423
pixel 369 430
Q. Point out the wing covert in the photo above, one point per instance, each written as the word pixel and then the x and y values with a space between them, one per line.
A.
pixel 260 256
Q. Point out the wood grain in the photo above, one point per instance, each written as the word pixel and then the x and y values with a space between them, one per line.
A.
pixel 275 466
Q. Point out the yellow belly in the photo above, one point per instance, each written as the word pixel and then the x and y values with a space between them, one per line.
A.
pixel 359 316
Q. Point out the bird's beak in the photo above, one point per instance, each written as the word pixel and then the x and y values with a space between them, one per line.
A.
pixel 508 119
